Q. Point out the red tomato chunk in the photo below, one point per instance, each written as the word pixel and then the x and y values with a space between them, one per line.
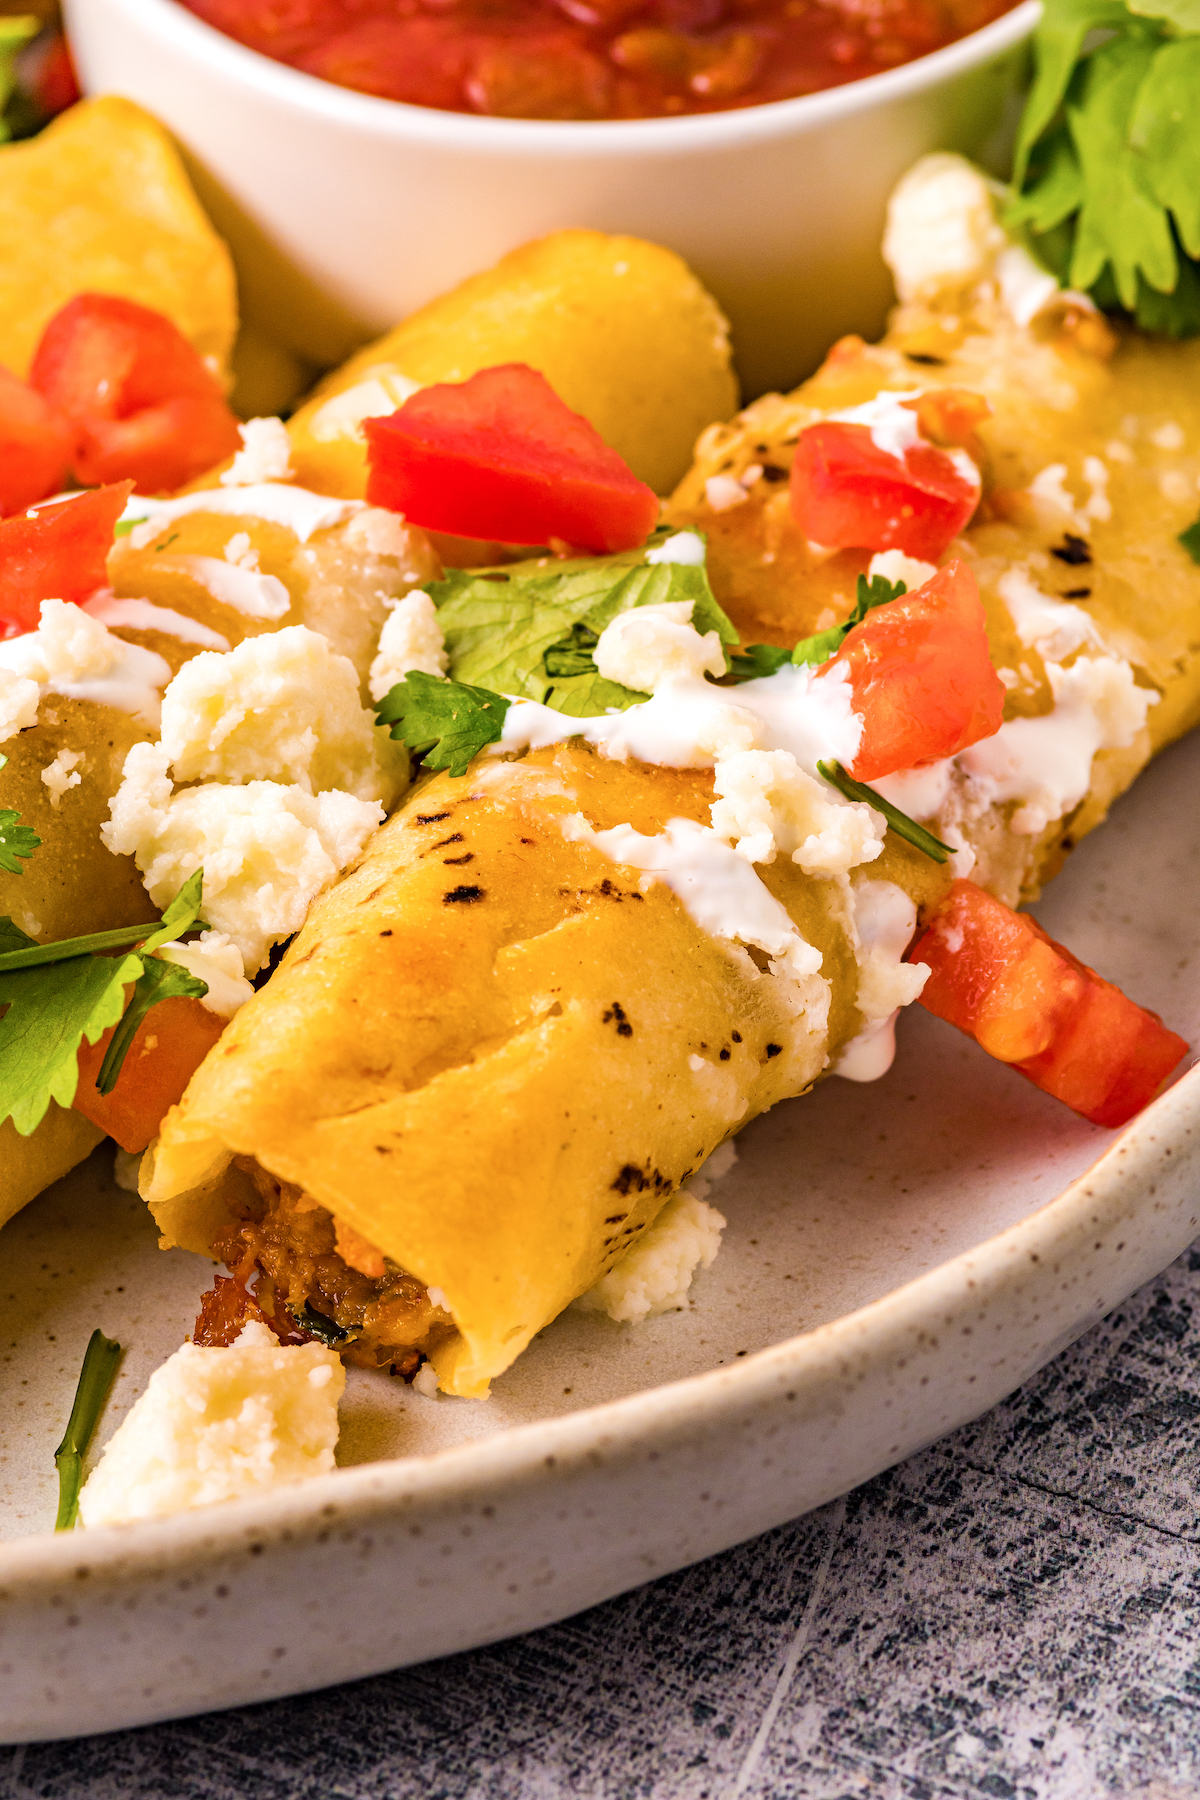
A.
pixel 921 676
pixel 848 493
pixel 59 552
pixel 501 457
pixel 594 59
pixel 137 397
pixel 35 445
pixel 1027 1001
pixel 168 1047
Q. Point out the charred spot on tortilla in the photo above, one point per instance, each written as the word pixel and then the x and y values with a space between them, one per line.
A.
pixel 736 1036
pixel 456 837
pixel 430 818
pixel 617 1011
pixel 462 896
pixel 1077 594
pixel 724 1054
pixel 925 359
pixel 774 1050
pixel 773 472
pixel 453 862
pixel 1073 550
pixel 633 1179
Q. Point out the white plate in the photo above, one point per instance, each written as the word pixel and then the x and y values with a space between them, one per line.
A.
pixel 934 1238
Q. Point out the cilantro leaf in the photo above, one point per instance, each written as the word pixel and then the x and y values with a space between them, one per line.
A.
pixel 899 822
pixel 446 722
pixel 501 625
pixel 100 1361
pixel 54 995
pixel 1162 131
pixel 16 840
pixel 50 1011
pixel 157 981
pixel 1058 42
pixel 758 660
pixel 1190 539
pixel 824 644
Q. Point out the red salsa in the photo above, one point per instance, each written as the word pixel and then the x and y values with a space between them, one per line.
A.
pixel 594 59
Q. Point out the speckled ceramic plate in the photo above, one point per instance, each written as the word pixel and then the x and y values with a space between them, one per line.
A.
pixel 898 1258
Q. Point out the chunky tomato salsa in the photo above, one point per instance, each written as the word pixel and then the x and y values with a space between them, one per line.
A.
pixel 594 59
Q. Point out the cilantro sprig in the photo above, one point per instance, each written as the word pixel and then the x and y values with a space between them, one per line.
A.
pixel 446 723
pixel 16 840
pixel 56 995
pixel 900 823
pixel 765 659
pixel 1107 171
pixel 100 1361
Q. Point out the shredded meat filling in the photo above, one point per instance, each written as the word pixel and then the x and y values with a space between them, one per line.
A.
pixel 373 1313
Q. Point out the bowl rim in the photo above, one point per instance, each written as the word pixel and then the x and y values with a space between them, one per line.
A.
pixel 345 108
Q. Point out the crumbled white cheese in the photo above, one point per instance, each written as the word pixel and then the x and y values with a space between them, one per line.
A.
pixel 655 1275
pixel 266 454
pixel 240 551
pixel 281 707
pixel 1054 628
pixel 1169 436
pixel 1174 486
pixel 885 920
pixel 144 615
pixel 219 1424
pixel 266 850
pixel 58 775
pixel 19 698
pixel 894 427
pixel 723 492
pixel 643 648
pixel 73 654
pixel 213 958
pixel 941 227
pixel 1049 489
pixel 380 533
pixel 411 639
pixel 1046 763
pixel 1025 287
pixel 768 803
pixel 425 1382
pixel 894 566
pixel 685 547
pixel 1098 505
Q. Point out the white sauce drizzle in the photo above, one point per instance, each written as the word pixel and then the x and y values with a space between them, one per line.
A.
pixel 718 889
pixel 144 615
pixel 295 508
pixel 885 919
pixel 247 591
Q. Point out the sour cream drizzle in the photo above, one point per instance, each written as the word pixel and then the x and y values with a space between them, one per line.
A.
pixel 295 508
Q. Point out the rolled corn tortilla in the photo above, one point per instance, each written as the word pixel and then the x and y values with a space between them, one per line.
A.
pixel 493 1055
pixel 621 329
pixel 177 594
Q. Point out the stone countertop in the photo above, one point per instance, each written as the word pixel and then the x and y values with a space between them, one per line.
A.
pixel 1014 1612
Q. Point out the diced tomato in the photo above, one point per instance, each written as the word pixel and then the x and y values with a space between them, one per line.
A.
pixel 502 457
pixel 49 76
pixel 1027 1001
pixel 921 676
pixel 35 445
pixel 168 1047
pixel 138 398
pixel 59 552
pixel 848 493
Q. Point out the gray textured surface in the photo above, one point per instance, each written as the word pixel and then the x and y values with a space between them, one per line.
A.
pixel 1013 1612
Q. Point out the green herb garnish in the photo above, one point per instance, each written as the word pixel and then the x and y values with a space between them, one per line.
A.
pixel 1107 172
pixel 899 822
pixel 444 722
pixel 765 659
pixel 515 630
pixel 15 33
pixel 1190 539
pixel 327 1330
pixel 58 994
pixel 16 840
pixel 96 1377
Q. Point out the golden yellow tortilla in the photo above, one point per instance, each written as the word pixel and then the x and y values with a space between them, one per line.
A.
pixel 621 329
pixel 100 201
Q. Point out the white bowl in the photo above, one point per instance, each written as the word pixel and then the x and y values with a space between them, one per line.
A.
pixel 345 212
